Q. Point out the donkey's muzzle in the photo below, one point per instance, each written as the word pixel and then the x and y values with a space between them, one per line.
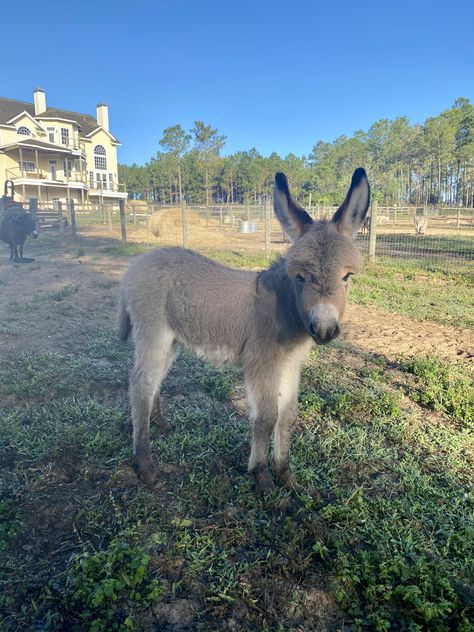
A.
pixel 324 324
pixel 322 336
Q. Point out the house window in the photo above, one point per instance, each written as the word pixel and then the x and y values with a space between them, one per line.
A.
pixel 26 165
pixel 100 157
pixel 64 136
pixel 24 131
pixel 56 204
pixel 111 181
pixel 67 168
pixel 51 134
pixel 99 181
pixel 104 181
pixel 52 169
pixel 91 179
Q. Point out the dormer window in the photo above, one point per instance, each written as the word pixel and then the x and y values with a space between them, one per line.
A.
pixel 23 131
pixel 100 157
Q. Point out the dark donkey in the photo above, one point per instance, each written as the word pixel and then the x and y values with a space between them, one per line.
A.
pixel 14 229
pixel 263 322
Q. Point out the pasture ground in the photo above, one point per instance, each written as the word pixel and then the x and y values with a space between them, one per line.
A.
pixel 382 538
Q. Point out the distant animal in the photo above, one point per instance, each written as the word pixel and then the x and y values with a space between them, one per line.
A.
pixel 421 224
pixel 15 227
pixel 263 322
pixel 365 228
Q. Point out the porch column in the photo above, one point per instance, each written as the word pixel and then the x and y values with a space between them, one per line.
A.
pixel 21 170
pixel 37 162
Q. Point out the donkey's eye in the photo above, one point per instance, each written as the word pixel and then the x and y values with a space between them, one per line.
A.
pixel 346 278
pixel 300 278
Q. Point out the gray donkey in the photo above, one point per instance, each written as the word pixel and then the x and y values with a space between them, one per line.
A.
pixel 263 322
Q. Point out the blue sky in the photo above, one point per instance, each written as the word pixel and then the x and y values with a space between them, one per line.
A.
pixel 275 75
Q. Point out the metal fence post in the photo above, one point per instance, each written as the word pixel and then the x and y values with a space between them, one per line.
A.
pixel 123 225
pixel 60 217
pixel 184 220
pixel 373 231
pixel 72 215
pixel 267 227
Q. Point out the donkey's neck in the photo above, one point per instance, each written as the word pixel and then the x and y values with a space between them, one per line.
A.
pixel 275 287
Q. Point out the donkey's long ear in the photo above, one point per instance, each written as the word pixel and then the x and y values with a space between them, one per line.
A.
pixel 293 218
pixel 350 216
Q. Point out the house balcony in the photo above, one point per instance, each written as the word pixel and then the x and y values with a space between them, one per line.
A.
pixel 42 177
pixel 107 189
pixel 75 180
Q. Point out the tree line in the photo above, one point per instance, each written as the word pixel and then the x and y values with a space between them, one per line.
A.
pixel 429 163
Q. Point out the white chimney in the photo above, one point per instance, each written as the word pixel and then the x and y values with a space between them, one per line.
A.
pixel 40 101
pixel 103 115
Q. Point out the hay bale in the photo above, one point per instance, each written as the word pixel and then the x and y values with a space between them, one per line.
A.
pixel 168 221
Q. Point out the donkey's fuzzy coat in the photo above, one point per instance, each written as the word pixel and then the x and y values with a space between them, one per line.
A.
pixel 265 322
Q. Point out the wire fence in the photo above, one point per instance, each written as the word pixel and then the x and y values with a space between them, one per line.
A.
pixel 430 235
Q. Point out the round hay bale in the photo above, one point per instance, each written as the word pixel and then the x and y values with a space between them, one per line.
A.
pixel 168 221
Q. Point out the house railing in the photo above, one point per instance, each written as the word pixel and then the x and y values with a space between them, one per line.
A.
pixel 42 174
pixel 99 187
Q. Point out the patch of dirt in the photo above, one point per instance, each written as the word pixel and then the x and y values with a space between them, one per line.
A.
pixel 393 335
pixel 55 302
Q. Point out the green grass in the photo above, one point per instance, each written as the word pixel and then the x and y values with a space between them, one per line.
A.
pixel 442 386
pixel 385 524
pixel 426 293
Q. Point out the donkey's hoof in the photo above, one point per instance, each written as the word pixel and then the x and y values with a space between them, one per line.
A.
pixel 263 481
pixel 148 475
pixel 286 479
pixel 162 424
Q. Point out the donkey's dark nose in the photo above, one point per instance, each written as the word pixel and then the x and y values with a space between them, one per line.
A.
pixel 323 334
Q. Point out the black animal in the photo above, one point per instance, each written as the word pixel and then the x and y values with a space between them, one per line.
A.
pixel 15 228
pixel 365 228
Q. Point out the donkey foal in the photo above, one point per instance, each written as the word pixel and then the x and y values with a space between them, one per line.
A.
pixel 265 322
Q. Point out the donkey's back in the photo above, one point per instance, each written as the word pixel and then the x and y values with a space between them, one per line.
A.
pixel 202 304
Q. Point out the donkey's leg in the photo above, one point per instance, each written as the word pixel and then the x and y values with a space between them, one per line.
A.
pixel 152 360
pixel 263 397
pixel 156 415
pixel 287 413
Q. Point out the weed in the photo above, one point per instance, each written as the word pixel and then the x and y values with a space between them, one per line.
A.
pixel 442 386
pixel 10 522
pixel 103 587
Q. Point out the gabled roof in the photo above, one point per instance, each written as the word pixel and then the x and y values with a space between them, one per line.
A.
pixel 102 129
pixel 27 114
pixel 9 108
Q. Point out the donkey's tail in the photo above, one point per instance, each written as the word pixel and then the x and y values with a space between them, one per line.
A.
pixel 124 324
